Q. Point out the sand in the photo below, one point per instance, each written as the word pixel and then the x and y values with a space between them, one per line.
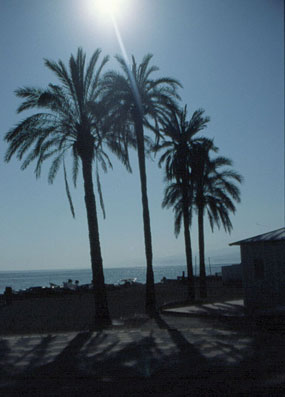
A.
pixel 75 312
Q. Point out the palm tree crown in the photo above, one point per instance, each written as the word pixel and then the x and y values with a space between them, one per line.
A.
pixel 178 140
pixel 135 95
pixel 66 124
pixel 215 187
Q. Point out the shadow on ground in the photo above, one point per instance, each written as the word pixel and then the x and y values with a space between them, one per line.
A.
pixel 170 358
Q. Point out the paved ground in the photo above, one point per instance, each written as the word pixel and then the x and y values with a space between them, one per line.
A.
pixel 168 355
pixel 233 308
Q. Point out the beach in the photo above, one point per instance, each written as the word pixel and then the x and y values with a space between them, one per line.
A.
pixel 75 312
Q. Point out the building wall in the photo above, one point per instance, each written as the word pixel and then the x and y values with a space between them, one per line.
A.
pixel 269 290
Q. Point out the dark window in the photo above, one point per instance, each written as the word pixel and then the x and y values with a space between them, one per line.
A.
pixel 258 269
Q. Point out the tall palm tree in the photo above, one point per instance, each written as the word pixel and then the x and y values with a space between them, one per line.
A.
pixel 215 190
pixel 179 137
pixel 65 125
pixel 139 101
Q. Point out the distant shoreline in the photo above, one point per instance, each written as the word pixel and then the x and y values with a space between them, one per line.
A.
pixel 108 268
pixel 21 280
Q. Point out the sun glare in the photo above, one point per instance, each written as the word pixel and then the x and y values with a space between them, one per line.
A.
pixel 109 7
pixel 110 11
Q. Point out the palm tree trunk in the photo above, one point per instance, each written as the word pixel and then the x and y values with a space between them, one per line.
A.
pixel 188 248
pixel 150 302
pixel 102 316
pixel 203 281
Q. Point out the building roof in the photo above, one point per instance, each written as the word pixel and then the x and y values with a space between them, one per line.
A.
pixel 275 235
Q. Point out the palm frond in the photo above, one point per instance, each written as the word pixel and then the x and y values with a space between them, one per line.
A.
pixel 100 191
pixel 31 96
pixel 90 71
pixel 68 192
pixel 55 167
pixel 177 223
pixel 96 83
pixel 75 167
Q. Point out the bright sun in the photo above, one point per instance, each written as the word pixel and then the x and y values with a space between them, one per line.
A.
pixel 109 7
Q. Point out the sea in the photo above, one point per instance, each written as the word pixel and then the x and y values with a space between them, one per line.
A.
pixel 21 280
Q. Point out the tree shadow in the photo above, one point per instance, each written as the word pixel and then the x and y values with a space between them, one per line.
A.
pixel 49 378
pixel 257 368
pixel 38 352
pixel 164 361
pixel 4 353
pixel 65 364
pixel 186 349
pixel 189 369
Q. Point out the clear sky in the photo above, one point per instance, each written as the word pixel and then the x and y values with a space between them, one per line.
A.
pixel 229 56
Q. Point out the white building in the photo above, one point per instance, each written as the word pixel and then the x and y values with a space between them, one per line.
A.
pixel 263 270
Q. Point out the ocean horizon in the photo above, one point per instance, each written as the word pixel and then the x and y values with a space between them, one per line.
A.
pixel 20 280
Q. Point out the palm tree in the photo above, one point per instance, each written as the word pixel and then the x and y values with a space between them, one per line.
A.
pixel 178 141
pixel 65 125
pixel 137 100
pixel 214 192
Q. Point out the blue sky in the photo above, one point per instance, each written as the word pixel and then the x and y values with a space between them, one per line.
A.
pixel 229 56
